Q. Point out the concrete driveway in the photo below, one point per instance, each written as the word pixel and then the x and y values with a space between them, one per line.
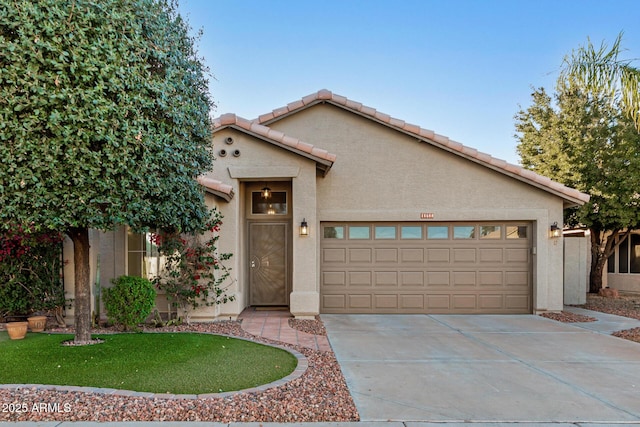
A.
pixel 484 368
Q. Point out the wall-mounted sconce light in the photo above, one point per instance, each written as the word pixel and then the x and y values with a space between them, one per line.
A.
pixel 304 227
pixel 555 231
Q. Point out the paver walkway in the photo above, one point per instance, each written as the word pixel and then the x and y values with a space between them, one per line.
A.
pixel 274 324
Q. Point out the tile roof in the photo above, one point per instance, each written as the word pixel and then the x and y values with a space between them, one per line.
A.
pixel 323 158
pixel 324 96
pixel 216 187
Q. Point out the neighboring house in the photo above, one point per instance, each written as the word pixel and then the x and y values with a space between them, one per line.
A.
pixel 623 267
pixel 400 219
pixel 622 271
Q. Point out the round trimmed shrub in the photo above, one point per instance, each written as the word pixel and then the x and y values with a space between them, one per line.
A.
pixel 130 301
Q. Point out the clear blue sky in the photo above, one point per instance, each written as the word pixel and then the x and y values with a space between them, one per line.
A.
pixel 458 67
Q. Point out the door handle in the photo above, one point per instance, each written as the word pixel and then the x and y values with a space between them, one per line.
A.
pixel 253 264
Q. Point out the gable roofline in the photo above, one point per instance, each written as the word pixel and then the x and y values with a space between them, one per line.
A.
pixel 571 196
pixel 217 188
pixel 324 160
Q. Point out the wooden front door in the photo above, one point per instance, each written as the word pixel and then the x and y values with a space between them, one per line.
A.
pixel 268 263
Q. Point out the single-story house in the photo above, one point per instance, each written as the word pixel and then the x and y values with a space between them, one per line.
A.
pixel 364 213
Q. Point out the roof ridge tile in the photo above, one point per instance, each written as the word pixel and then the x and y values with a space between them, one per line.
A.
pixel 292 106
pixel 339 99
pixel 354 105
pixel 265 117
pixel 325 94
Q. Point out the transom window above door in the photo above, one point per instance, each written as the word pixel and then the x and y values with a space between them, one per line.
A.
pixel 275 204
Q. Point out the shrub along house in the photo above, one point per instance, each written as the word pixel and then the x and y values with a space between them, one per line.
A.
pixel 333 207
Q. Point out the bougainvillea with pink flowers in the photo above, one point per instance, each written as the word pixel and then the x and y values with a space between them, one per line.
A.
pixel 30 270
pixel 194 273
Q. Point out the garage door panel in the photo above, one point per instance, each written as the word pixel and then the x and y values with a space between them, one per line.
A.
pixel 334 278
pixel 438 278
pixel 334 255
pixel 466 255
pixel 411 255
pixel 412 278
pixel 464 278
pixel 388 255
pixel 491 255
pixel 464 302
pixel 423 268
pixel 412 302
pixel 360 278
pixel 438 302
pixel 360 255
pixel 386 278
pixel 359 301
pixel 490 302
pixel 517 255
pixel 438 255
pixel 517 278
pixel 386 301
pixel 334 302
pixel 491 278
pixel 517 302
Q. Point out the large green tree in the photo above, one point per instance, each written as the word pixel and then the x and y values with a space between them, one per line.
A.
pixel 602 70
pixel 585 141
pixel 104 121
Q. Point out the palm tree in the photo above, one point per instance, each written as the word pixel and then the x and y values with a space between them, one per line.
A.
pixel 601 71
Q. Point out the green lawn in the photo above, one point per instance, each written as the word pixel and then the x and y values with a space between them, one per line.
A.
pixel 180 363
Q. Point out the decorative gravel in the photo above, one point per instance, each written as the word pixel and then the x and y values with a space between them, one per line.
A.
pixel 625 305
pixel 568 317
pixel 629 334
pixel 315 326
pixel 320 394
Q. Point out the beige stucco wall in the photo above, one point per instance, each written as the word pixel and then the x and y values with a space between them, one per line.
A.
pixel 384 175
pixel 624 282
pixel 576 269
pixel 260 161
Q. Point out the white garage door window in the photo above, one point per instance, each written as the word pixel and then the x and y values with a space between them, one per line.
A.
pixel 482 267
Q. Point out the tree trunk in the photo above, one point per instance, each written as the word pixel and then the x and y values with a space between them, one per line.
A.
pixel 603 245
pixel 597 260
pixel 82 301
pixel 595 275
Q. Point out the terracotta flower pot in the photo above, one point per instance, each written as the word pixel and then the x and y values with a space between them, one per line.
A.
pixel 17 330
pixel 37 323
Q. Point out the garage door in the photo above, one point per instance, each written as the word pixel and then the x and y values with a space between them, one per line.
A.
pixel 426 268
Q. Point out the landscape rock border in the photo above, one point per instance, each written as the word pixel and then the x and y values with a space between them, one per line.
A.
pixel 319 394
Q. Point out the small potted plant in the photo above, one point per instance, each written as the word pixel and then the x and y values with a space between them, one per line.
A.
pixel 37 323
pixel 17 330
pixel 13 305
